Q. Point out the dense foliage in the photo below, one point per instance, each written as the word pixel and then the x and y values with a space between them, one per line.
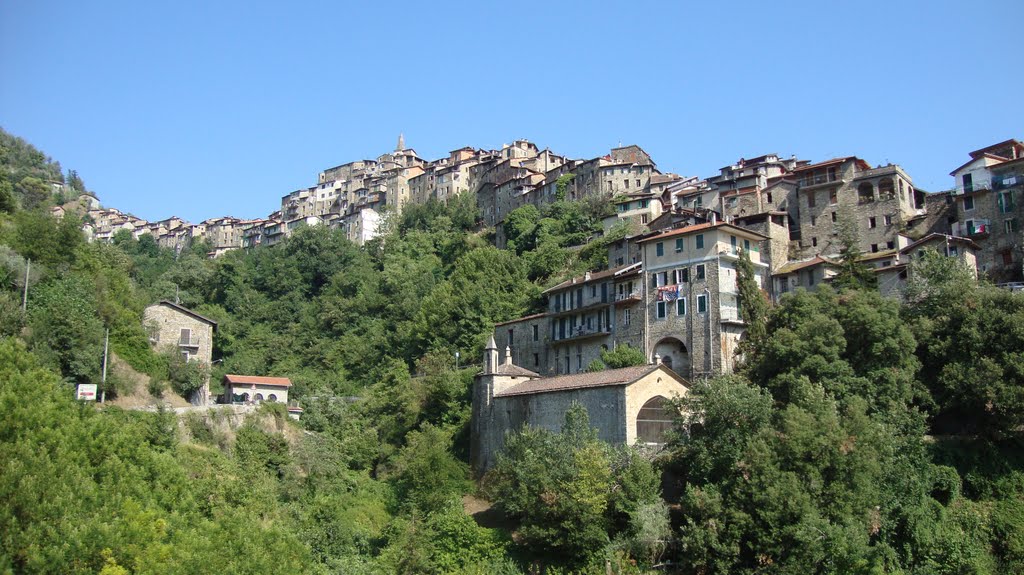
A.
pixel 861 434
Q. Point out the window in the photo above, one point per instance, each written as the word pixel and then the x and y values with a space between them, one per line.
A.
pixel 810 199
pixel 625 317
pixel 626 183
pixel 832 198
pixel 682 275
pixel 700 271
pixel 746 246
pixel 659 249
pixel 536 332
pixel 638 186
pixel 732 243
pixel 968 180
pixel 952 252
pixel 661 310
pixel 659 279
pixel 536 360
pixel 890 244
pixel 835 218
pixel 643 218
pixel 681 306
pixel 814 220
pixel 814 242
pixel 699 241
pixel 186 336
pixel 1005 201
pixel 874 248
pixel 679 245
pixel 768 197
pixel 968 204
pixel 702 304
pixel 593 291
pixel 510 332
pixel 1010 225
pixel 185 356
pixel 888 220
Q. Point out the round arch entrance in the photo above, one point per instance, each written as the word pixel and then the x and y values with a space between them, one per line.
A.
pixel 674 355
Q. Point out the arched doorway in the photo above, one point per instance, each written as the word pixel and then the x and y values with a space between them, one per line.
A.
pixel 674 355
pixel 654 421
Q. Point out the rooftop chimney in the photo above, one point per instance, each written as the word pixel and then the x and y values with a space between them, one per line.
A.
pixel 508 355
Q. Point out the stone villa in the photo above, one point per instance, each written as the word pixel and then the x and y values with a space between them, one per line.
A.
pixel 180 330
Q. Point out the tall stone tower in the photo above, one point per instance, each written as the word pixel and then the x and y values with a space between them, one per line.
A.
pixel 401 143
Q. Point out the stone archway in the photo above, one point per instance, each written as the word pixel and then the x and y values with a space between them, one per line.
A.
pixel 674 355
pixel 654 421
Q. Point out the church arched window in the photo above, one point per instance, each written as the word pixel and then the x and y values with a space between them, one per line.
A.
pixel 654 421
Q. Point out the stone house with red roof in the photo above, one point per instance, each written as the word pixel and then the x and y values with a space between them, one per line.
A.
pixel 245 389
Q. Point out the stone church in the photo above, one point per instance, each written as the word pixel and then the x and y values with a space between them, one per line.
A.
pixel 629 405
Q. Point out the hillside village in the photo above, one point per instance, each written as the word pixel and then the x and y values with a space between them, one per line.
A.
pixel 670 289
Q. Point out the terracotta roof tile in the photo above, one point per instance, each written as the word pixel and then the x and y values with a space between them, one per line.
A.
pixel 257 379
pixel 621 376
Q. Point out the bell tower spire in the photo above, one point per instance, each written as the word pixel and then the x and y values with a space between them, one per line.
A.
pixel 401 142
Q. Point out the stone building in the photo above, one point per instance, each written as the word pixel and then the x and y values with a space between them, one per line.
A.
pixel 692 319
pixel 173 327
pixel 893 273
pixel 879 201
pixel 627 406
pixel 586 315
pixel 806 274
pixel 741 187
pixel 989 208
pixel 255 389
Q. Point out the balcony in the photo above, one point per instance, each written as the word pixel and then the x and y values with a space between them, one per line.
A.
pixel 623 298
pixel 973 228
pixel 189 342
pixel 584 332
pixel 820 180
pixel 584 308
pixel 972 188
pixel 1008 181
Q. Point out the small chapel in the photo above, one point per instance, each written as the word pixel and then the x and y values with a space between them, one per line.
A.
pixel 629 405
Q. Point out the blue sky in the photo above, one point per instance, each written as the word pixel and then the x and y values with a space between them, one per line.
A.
pixel 201 109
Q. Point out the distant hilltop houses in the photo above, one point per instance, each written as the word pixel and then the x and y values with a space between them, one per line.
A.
pixel 794 206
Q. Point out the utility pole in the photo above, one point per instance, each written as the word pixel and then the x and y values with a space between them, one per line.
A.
pixel 24 297
pixel 103 382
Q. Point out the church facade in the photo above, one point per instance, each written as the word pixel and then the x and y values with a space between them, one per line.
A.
pixel 629 405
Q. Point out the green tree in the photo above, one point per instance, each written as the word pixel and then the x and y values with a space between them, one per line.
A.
pixel 622 356
pixel 853 274
pixel 753 305
pixel 65 328
pixel 427 477
pixel 556 486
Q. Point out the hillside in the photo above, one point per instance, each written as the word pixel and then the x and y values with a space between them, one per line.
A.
pixel 859 434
